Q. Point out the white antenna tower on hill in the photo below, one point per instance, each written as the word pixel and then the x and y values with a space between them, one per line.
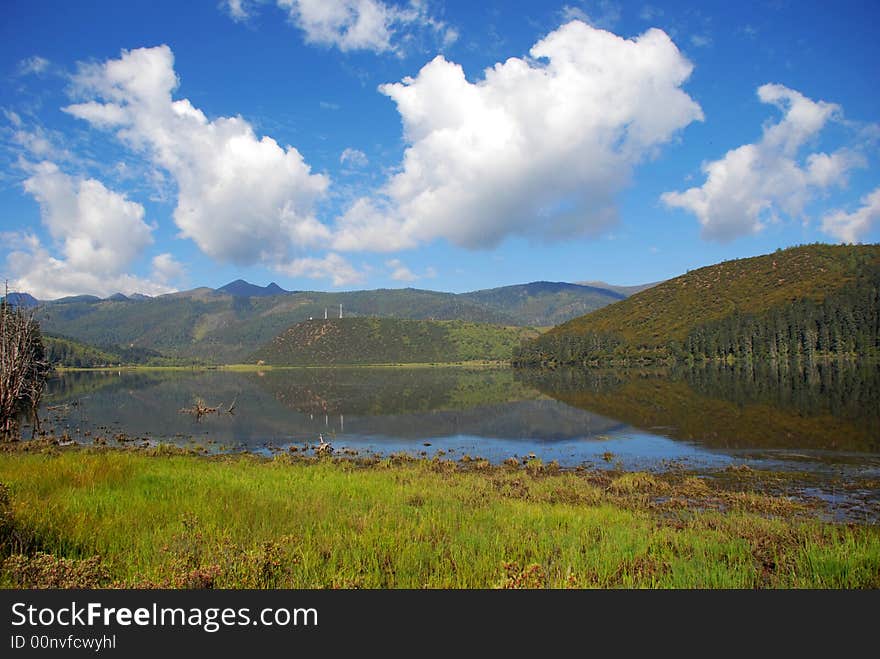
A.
pixel 340 310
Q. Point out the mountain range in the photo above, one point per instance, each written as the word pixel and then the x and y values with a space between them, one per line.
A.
pixel 230 323
pixel 801 303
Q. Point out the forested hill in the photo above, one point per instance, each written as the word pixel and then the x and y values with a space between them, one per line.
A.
pixel 799 302
pixel 65 352
pixel 387 340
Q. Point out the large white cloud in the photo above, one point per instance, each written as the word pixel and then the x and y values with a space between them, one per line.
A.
pixel 98 232
pixel 754 183
pixel 35 270
pixel 852 227
pixel 539 147
pixel 241 198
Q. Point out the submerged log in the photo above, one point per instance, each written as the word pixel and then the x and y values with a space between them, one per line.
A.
pixel 200 409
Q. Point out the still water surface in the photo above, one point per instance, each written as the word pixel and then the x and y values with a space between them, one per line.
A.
pixel 826 420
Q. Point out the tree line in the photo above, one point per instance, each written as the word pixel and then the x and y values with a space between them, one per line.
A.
pixel 845 324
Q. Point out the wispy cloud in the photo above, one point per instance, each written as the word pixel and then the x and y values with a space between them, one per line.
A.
pixel 34 65
pixel 401 272
pixel 357 25
pixel 604 14
pixel 332 266
pixel 354 158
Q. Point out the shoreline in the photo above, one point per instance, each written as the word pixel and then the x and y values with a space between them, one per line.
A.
pixel 475 364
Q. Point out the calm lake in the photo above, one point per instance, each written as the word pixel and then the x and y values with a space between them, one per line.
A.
pixel 824 421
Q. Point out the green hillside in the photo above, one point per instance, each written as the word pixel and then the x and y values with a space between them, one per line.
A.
pixel 797 302
pixel 387 340
pixel 212 326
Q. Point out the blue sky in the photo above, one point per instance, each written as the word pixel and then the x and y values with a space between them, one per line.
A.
pixel 346 144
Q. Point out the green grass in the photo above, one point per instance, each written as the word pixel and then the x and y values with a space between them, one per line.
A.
pixel 183 520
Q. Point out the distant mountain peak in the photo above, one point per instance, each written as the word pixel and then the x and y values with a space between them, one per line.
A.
pixel 242 288
pixel 25 300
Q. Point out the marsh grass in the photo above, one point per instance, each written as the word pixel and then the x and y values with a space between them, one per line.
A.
pixel 164 518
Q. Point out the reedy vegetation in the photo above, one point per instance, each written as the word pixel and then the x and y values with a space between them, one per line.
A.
pixel 167 519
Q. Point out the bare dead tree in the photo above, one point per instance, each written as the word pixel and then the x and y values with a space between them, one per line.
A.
pixel 23 365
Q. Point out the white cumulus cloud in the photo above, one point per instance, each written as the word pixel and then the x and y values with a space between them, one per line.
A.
pixel 852 227
pixel 240 197
pixel 346 24
pixel 36 271
pixel 98 232
pixel 539 147
pixel 754 183
pixel 332 266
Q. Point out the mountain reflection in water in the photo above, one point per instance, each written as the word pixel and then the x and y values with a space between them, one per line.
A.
pixel 827 417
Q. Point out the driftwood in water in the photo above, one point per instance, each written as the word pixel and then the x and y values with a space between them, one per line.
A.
pixel 324 448
pixel 200 409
